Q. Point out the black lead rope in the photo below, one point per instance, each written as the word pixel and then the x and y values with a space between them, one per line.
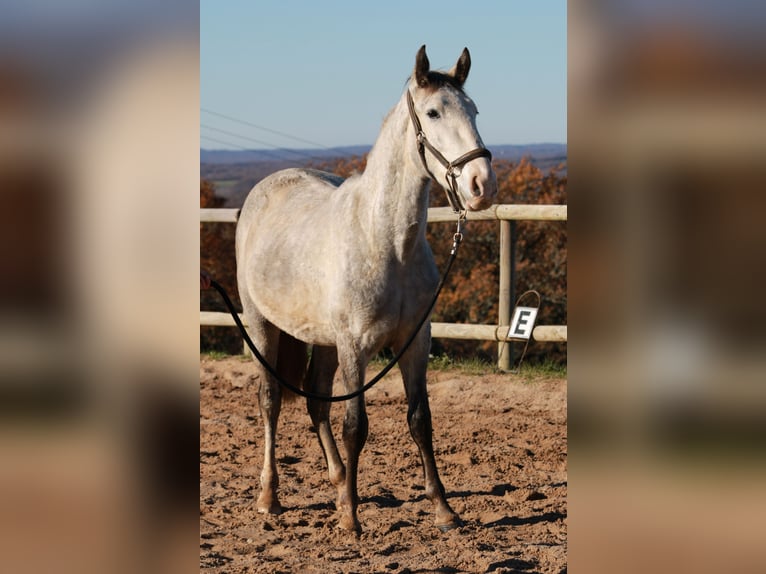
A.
pixel 457 238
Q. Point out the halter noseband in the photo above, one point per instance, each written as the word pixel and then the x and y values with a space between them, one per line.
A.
pixel 453 167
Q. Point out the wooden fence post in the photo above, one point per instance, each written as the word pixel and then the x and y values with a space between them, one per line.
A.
pixel 504 293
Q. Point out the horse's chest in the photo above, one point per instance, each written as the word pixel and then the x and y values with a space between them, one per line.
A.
pixel 388 298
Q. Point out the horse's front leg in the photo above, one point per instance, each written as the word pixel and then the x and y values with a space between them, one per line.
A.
pixel 355 428
pixel 413 366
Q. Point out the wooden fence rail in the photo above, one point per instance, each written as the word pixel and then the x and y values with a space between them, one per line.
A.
pixel 505 214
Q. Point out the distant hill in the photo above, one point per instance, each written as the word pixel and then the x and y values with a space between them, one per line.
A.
pixel 538 152
pixel 295 156
pixel 300 156
pixel 235 172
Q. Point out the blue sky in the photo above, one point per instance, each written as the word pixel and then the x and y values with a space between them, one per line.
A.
pixel 328 72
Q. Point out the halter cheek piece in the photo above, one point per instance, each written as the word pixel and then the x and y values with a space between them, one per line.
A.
pixel 453 167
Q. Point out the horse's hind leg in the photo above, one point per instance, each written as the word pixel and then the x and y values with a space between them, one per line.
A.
pixel 288 355
pixel 291 362
pixel 265 336
pixel 270 403
pixel 324 363
pixel 413 366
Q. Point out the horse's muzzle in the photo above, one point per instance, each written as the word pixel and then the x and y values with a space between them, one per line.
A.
pixel 482 184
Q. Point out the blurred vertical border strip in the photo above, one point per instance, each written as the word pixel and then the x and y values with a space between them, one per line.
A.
pixel 667 316
pixel 99 243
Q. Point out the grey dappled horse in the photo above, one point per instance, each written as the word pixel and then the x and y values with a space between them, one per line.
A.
pixel 344 265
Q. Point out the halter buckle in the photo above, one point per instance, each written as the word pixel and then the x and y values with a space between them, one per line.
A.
pixel 454 171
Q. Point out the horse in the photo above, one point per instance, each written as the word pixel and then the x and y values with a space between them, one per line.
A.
pixel 344 266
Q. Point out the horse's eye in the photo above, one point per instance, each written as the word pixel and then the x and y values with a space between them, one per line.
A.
pixel 433 114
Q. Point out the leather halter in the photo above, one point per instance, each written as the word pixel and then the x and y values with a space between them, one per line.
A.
pixel 453 167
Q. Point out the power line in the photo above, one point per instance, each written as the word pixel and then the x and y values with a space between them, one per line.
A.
pixel 286 150
pixel 204 137
pixel 276 132
pixel 230 144
pixel 318 157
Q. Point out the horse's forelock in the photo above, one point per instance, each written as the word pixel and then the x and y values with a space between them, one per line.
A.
pixel 437 80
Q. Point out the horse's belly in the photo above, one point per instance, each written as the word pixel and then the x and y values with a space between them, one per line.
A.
pixel 315 310
pixel 294 303
pixel 310 331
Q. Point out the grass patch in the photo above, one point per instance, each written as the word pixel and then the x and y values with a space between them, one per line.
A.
pixel 220 355
pixel 214 355
pixel 474 366
pixel 547 369
pixel 471 366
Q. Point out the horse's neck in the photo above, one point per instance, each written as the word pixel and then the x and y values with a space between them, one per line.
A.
pixel 395 186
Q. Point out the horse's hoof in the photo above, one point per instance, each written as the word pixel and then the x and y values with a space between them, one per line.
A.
pixel 268 507
pixel 273 509
pixel 455 522
pixel 350 524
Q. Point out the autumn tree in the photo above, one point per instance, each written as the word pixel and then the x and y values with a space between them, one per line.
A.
pixel 217 258
pixel 471 294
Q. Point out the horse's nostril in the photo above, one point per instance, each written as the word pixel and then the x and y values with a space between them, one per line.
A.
pixel 476 188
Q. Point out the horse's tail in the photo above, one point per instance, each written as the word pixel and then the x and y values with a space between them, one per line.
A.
pixel 292 362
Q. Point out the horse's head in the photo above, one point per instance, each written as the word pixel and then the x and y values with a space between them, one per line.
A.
pixel 449 145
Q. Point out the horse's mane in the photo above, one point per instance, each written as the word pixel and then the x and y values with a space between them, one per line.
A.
pixel 438 80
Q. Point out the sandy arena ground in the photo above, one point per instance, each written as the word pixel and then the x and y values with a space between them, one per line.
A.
pixel 501 447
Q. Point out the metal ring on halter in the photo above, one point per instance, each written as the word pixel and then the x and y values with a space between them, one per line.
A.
pixel 457 237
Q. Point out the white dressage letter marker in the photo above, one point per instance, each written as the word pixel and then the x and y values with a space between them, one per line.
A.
pixel 523 322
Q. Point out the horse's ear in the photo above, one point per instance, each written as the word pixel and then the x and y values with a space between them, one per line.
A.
pixel 462 67
pixel 422 66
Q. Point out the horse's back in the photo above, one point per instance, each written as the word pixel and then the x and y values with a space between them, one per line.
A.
pixel 285 184
pixel 285 261
pixel 284 194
